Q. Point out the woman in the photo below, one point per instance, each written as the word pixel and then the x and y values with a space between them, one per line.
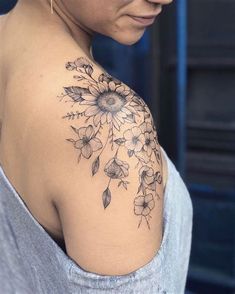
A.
pixel 90 202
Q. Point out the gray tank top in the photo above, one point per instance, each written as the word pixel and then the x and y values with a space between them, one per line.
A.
pixel 32 262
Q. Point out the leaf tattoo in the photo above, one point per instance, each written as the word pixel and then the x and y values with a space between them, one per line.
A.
pixel 95 166
pixel 110 102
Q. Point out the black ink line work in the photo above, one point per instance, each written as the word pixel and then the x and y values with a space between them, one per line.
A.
pixel 110 102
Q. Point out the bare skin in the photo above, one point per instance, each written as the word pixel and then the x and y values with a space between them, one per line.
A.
pixel 18 85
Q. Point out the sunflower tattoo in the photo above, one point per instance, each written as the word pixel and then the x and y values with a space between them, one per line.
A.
pixel 109 102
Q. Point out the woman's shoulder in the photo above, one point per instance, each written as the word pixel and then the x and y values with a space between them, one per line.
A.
pixel 54 83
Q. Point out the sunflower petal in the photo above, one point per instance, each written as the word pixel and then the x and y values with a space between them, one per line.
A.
pixel 97 118
pixel 120 89
pixel 92 110
pixel 112 86
pixel 109 117
pixel 102 88
pixel 119 118
pixel 103 118
pixel 89 97
pixel 130 108
pixel 86 102
pixel 115 123
pixel 94 91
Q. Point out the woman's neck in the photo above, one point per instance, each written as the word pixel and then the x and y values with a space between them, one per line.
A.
pixel 60 19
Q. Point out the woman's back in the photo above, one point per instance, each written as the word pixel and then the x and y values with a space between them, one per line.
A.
pixel 21 102
pixel 36 80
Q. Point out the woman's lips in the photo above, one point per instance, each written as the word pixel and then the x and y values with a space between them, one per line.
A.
pixel 143 20
pixel 146 20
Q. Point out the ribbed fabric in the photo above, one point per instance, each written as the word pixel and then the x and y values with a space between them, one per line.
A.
pixel 32 262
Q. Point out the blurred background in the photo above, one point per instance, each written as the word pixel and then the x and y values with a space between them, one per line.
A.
pixel 184 68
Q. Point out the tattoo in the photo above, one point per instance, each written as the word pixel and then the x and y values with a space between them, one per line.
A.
pixel 109 101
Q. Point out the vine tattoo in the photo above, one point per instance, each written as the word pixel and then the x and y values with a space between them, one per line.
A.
pixel 109 101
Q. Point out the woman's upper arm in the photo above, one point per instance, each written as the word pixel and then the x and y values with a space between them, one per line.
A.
pixel 102 175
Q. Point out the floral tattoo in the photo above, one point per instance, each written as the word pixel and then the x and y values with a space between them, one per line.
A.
pixel 109 101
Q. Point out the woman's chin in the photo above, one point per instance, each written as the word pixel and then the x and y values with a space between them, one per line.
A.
pixel 129 39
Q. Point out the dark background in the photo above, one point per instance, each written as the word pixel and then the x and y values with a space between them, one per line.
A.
pixel 150 68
